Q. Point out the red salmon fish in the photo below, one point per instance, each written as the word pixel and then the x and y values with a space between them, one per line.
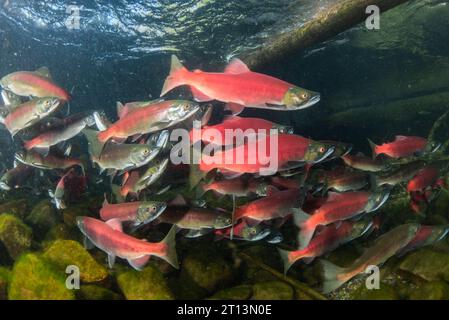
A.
pixel 216 134
pixel 240 87
pixel 330 238
pixel 108 236
pixel 338 206
pixel 402 146
pixel 276 205
pixel 36 84
pixel 426 177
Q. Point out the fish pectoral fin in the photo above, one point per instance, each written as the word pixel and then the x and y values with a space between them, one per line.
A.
pixel 199 96
pixel 115 224
pixel 88 244
pixel 111 260
pixel 235 108
pixel 197 233
pixel 139 263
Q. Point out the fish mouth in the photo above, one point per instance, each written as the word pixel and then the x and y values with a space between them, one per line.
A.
pixel 314 100
pixel 261 235
pixel 384 199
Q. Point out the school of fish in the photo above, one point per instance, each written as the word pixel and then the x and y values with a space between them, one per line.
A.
pixel 330 194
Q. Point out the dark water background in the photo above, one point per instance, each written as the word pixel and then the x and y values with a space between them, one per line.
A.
pixel 121 53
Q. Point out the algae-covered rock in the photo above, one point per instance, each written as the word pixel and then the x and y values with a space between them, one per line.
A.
pixel 15 235
pixel 274 290
pixel 385 292
pixel 148 284
pixel 243 292
pixel 93 292
pixel 434 290
pixel 35 278
pixel 62 232
pixel 5 276
pixel 42 217
pixel 207 269
pixel 427 264
pixel 18 208
pixel 68 252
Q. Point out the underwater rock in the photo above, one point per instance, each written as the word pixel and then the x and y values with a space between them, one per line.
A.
pixel 63 253
pixel 243 292
pixel 207 269
pixel 274 290
pixel 18 208
pixel 35 278
pixel 427 264
pixel 148 284
pixel 385 292
pixel 61 231
pixel 434 290
pixel 93 292
pixel 5 276
pixel 15 235
pixel 69 215
pixel 42 217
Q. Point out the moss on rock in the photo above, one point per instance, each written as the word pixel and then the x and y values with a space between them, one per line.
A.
pixel 35 278
pixel 5 276
pixel 243 292
pixel 385 292
pixel 274 290
pixel 68 252
pixel 434 290
pixel 18 208
pixel 42 217
pixel 93 292
pixel 428 264
pixel 15 235
pixel 148 284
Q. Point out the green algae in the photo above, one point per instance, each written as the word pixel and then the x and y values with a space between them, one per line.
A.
pixel 63 253
pixel 14 235
pixel 35 278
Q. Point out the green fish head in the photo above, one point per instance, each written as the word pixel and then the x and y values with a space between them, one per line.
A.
pixel 298 98
pixel 142 154
pixel 223 220
pixel 45 106
pixel 181 109
pixel 318 151
pixel 149 211
pixel 254 233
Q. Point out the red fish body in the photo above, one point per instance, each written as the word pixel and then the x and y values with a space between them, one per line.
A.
pixel 238 85
pixel 426 177
pixel 337 207
pixel 402 146
pixel 116 243
pixel 330 238
pixel 426 235
pixel 276 205
pixel 290 148
pixel 148 119
pixel 232 124
pixel 24 83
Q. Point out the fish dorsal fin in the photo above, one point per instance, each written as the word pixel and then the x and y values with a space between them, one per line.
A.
pixel 399 138
pixel 236 66
pixel 332 195
pixel 115 224
pixel 178 201
pixel 43 72
pixel 105 201
pixel 120 108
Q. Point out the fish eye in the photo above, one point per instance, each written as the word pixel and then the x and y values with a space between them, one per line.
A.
pixel 253 231
pixel 322 149
pixel 305 96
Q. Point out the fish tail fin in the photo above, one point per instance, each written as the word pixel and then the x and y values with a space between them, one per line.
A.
pixel 332 276
pixel 170 253
pixel 373 147
pixel 306 229
pixel 95 145
pixel 120 109
pixel 287 259
pixel 174 79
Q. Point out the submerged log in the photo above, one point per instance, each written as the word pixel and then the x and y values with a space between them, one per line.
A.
pixel 325 25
